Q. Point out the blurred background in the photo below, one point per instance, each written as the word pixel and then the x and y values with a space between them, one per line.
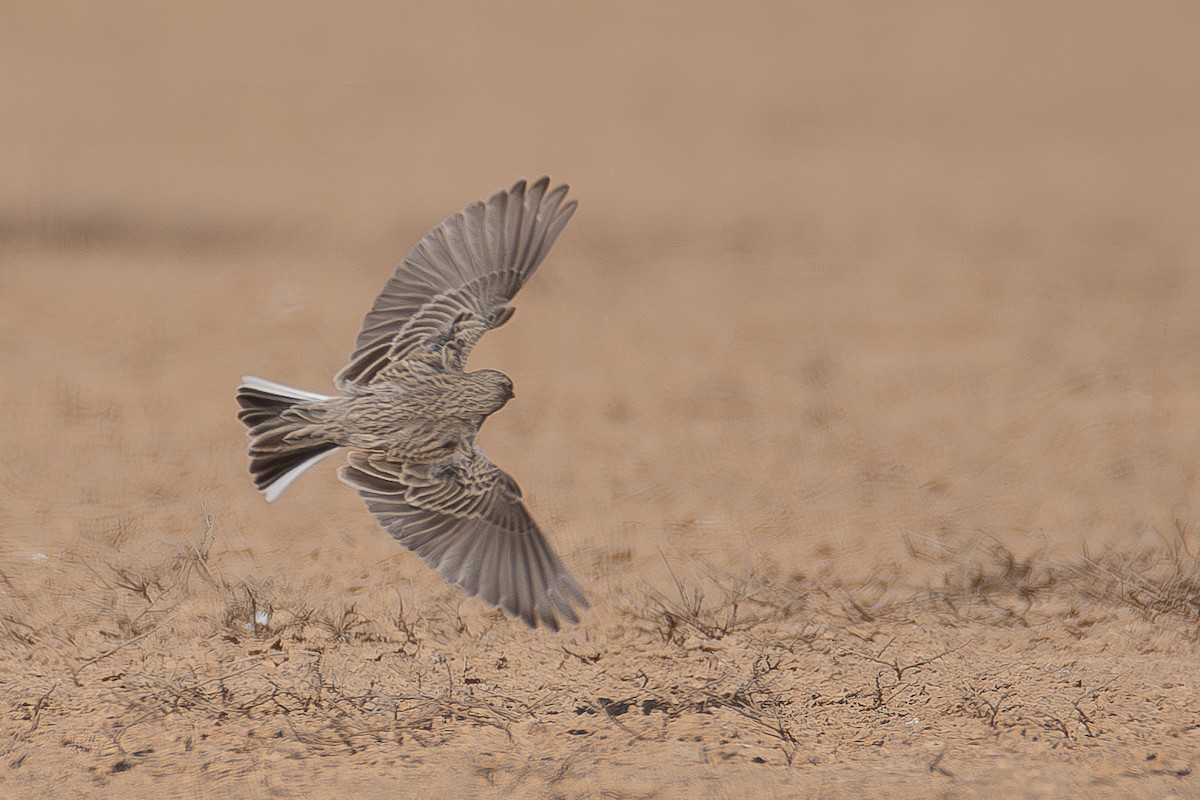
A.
pixel 845 279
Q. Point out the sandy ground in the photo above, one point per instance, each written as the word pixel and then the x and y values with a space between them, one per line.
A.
pixel 861 395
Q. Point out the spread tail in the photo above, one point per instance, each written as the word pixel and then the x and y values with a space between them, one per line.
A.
pixel 279 453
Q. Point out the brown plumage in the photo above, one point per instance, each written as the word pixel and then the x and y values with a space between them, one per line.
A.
pixel 408 413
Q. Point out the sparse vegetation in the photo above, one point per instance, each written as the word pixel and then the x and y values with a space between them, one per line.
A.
pixel 754 670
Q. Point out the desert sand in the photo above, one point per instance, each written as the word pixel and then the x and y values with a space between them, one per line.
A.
pixel 862 395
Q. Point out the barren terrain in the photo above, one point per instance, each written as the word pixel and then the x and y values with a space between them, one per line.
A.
pixel 862 395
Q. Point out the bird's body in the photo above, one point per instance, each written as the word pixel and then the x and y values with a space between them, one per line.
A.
pixel 408 413
pixel 413 412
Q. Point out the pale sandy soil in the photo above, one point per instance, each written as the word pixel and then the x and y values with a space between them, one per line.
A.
pixel 862 394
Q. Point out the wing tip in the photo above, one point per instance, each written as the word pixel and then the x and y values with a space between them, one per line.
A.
pixel 539 189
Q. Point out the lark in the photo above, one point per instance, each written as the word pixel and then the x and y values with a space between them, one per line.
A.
pixel 406 411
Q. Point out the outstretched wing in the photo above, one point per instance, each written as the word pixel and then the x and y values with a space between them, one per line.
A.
pixel 455 284
pixel 469 524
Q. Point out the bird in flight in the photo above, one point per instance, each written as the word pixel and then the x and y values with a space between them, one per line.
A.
pixel 407 412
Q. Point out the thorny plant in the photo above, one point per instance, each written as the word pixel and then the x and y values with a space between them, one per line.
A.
pixel 977 703
pixel 1156 581
pixel 295 691
pixel 1159 582
pixel 884 693
pixel 999 707
pixel 757 701
pixel 147 593
pixel 740 603
pixel 986 575
pixel 249 611
pixel 754 696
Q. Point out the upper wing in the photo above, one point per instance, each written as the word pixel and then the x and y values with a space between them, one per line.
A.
pixel 454 285
pixel 469 524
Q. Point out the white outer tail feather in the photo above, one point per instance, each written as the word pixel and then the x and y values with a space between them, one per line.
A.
pixel 286 391
pixel 285 480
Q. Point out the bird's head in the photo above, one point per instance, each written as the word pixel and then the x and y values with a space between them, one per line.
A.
pixel 499 387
